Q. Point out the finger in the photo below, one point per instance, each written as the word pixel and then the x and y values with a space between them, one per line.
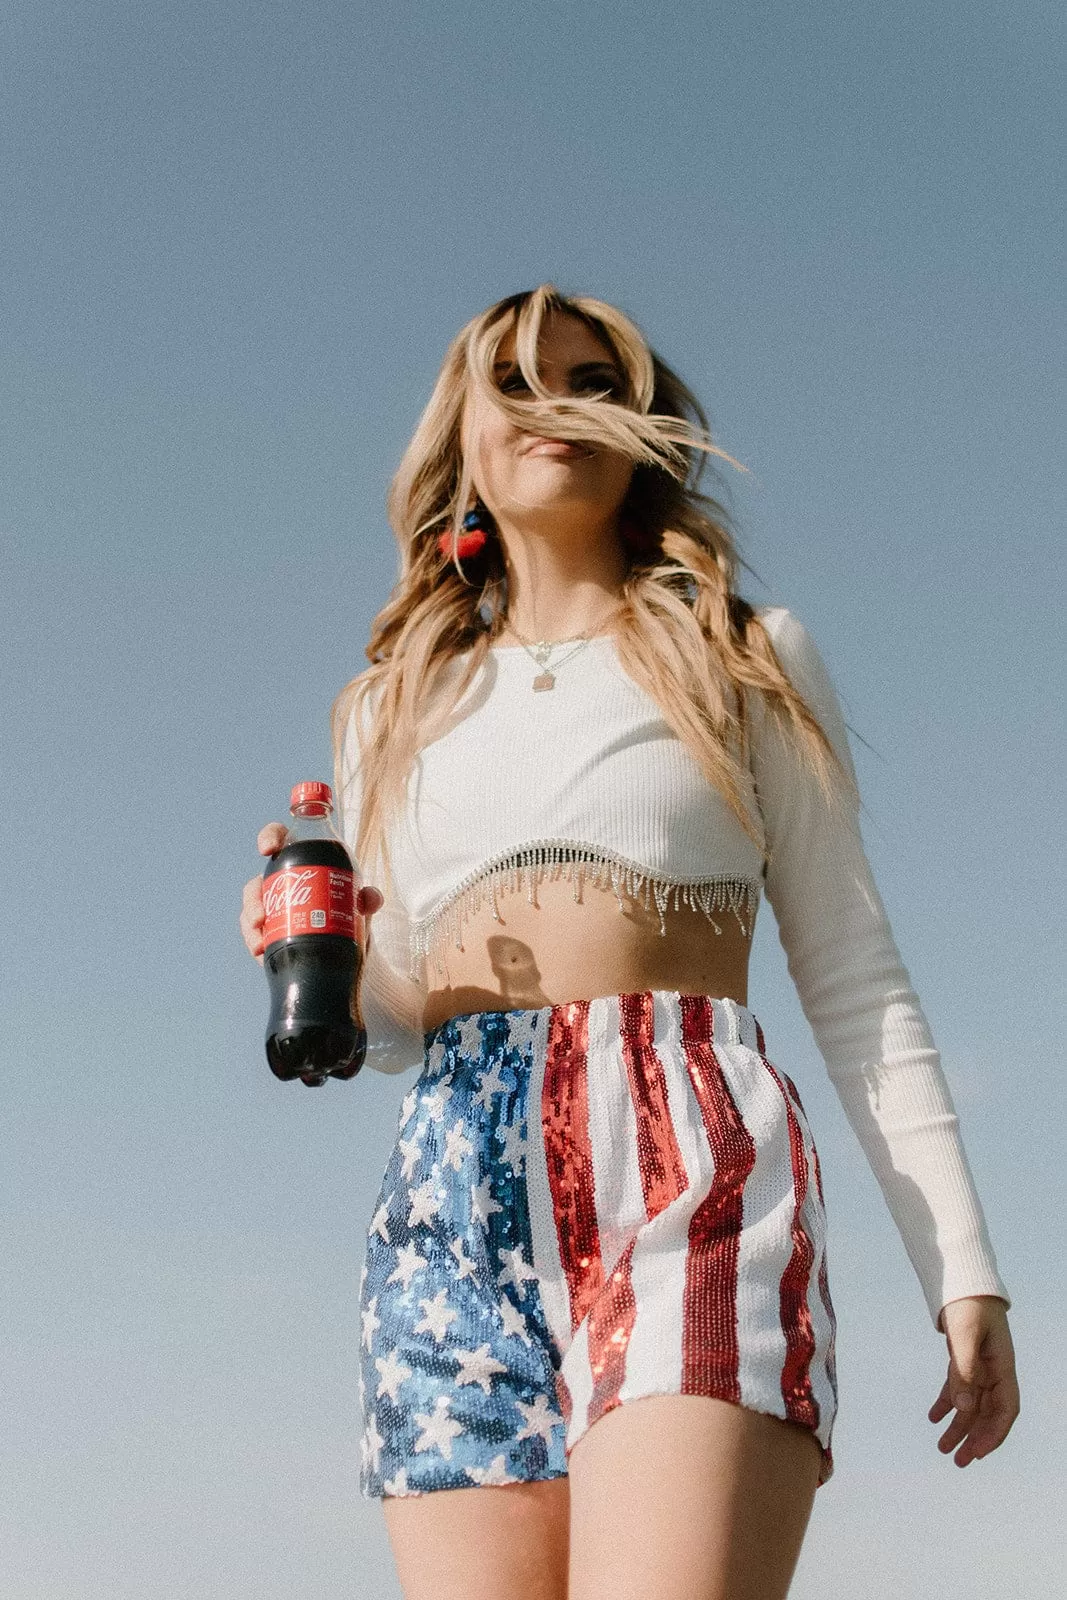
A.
pixel 252 895
pixel 942 1405
pixel 954 1434
pixel 997 1413
pixel 369 900
pixel 271 837
pixel 940 1408
pixel 978 1440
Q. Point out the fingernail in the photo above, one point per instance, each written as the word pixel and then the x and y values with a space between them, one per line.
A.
pixel 964 1400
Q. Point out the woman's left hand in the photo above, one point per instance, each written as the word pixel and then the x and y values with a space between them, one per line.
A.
pixel 981 1385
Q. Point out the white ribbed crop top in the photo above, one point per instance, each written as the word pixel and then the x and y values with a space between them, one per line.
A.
pixel 591 780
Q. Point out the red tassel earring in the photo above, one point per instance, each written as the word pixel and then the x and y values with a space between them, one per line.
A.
pixel 471 541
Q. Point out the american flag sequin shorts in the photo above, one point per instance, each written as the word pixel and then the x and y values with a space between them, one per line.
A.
pixel 586 1203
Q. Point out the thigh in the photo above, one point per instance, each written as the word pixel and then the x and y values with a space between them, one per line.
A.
pixel 687 1497
pixel 506 1542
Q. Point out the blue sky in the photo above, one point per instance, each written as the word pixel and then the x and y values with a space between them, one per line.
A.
pixel 237 240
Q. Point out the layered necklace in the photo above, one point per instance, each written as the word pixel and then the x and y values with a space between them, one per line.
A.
pixel 540 651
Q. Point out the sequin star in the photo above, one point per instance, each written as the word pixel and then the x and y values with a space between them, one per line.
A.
pixel 438 1428
pixel 371 1443
pixel 467 1268
pixel 393 1374
pixel 436 1316
pixel 477 1366
pixel 380 1223
pixel 407 1110
pixel 540 1419
pixel 521 1029
pixel 397 1485
pixel 412 1151
pixel 436 1102
pixel 492 1083
pixel 514 1321
pixel 425 1202
pixel 371 1322
pixel 516 1270
pixel 470 1037
pixel 513 1140
pixel 457 1146
pixel 408 1262
pixel 482 1202
pixel 494 1473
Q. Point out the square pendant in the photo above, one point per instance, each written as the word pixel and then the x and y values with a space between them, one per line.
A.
pixel 544 680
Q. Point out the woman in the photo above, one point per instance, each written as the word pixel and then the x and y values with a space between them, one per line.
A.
pixel 596 1314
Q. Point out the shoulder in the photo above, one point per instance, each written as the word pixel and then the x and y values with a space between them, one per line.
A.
pixel 801 660
pixel 782 625
pixel 793 645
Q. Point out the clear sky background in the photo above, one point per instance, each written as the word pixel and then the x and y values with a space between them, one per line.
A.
pixel 235 242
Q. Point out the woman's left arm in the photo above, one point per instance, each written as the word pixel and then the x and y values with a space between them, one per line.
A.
pixel 870 1026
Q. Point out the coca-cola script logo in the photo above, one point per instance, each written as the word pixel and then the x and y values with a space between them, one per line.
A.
pixel 285 890
pixel 311 899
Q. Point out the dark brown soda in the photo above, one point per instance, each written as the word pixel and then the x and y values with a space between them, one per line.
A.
pixel 312 1033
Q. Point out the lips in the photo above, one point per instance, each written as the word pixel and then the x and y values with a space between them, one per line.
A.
pixel 564 448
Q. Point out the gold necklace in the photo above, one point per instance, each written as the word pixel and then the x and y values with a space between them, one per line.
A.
pixel 540 651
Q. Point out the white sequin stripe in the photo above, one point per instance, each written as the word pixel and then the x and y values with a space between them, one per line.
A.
pixel 735 1022
pixel 555 1297
pixel 766 1242
pixel 654 1355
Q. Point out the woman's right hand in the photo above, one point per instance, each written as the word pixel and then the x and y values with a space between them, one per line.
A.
pixel 269 841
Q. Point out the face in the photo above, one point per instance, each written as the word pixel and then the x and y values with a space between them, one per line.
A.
pixel 516 472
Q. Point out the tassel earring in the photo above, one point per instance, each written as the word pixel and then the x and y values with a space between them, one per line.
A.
pixel 472 540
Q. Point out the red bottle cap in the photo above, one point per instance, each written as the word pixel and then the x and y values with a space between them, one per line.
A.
pixel 311 794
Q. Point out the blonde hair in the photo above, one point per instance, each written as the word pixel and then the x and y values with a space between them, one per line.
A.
pixel 677 598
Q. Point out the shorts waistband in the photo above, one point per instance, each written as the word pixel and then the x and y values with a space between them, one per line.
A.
pixel 731 1022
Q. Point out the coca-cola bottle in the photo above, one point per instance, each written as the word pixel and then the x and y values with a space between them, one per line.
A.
pixel 311 954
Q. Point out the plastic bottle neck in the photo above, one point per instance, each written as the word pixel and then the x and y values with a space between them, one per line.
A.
pixel 312 821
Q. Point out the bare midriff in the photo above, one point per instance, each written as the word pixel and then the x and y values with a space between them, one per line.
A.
pixel 560 950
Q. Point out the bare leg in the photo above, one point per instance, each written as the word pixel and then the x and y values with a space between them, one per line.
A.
pixel 507 1542
pixel 682 1497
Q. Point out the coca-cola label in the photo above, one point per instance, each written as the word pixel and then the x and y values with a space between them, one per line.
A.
pixel 301 900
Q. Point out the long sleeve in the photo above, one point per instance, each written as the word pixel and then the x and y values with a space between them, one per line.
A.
pixel 857 996
pixel 392 1004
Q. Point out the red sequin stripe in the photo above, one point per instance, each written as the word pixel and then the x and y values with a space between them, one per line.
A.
pixel 818 1172
pixel 659 1160
pixel 824 1285
pixel 800 1402
pixel 794 1091
pixel 569 1154
pixel 663 1179
pixel 709 1326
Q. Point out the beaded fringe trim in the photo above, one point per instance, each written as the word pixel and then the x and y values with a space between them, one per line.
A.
pixel 554 859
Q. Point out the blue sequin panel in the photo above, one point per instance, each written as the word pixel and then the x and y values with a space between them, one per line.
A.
pixel 457 1367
